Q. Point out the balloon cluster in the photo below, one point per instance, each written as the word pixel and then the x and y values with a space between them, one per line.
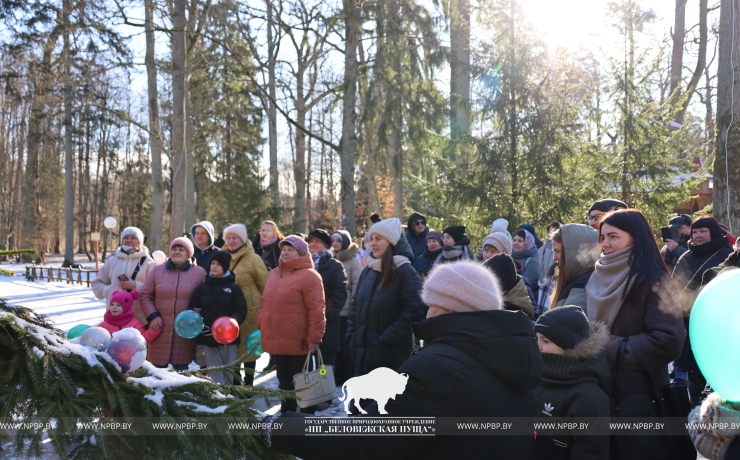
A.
pixel 189 325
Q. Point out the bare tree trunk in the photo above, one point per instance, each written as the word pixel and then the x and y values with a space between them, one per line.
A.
pixel 299 168
pixel 155 140
pixel 69 229
pixel 190 156
pixel 460 76
pixel 727 151
pixel 179 166
pixel 272 115
pixel 679 34
pixel 513 117
pixel 349 117
pixel 394 140
pixel 700 62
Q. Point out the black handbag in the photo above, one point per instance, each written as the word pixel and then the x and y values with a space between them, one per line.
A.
pixel 672 401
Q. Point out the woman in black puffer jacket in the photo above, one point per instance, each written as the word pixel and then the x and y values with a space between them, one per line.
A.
pixel 386 302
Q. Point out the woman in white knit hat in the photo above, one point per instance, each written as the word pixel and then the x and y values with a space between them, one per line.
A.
pixel 385 302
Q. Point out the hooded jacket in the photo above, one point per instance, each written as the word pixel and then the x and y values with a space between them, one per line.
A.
pixel 530 265
pixel 581 248
pixel 418 242
pixel 352 268
pixel 473 364
pixel 291 313
pixel 251 275
pixel 218 297
pixel 203 257
pixel 106 282
pixel 518 298
pixel 270 254
pixel 694 263
pixel 573 387
pixel 379 324
pixel 166 294
pixel 334 279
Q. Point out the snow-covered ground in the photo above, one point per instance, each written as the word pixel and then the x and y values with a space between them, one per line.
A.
pixel 68 305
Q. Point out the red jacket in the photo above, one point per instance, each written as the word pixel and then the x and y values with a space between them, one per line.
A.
pixel 292 307
pixel 149 334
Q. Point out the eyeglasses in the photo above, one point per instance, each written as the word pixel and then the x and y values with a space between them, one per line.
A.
pixel 420 223
pixel 595 218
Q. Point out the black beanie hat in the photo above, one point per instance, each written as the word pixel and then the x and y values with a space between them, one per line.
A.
pixel 565 326
pixel 710 223
pixel 457 233
pixel 375 218
pixel 223 258
pixel 681 219
pixel 502 265
pixel 322 235
pixel 606 205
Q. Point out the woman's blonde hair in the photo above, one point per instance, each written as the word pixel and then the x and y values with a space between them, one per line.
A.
pixel 274 226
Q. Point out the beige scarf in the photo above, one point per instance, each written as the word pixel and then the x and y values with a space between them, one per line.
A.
pixel 375 264
pixel 607 287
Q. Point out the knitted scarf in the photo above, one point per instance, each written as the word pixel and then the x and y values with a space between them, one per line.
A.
pixel 607 287
pixel 119 320
pixel 316 256
pixel 264 244
pixel 453 252
pixel 375 264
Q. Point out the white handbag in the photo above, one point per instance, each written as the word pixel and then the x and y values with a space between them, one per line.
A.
pixel 319 384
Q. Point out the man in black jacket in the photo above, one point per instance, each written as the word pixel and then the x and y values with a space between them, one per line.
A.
pixel 417 234
pixel 218 296
pixel 673 250
pixel 335 290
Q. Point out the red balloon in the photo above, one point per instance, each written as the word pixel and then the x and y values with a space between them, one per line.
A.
pixel 225 330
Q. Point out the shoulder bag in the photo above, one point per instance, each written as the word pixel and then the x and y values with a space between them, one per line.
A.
pixel 316 386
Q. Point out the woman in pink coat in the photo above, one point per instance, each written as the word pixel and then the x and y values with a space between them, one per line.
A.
pixel 166 294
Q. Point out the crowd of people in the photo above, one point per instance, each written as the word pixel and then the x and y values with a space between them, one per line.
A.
pixel 594 315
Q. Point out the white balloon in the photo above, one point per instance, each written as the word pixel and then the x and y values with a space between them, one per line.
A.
pixel 110 222
pixel 159 257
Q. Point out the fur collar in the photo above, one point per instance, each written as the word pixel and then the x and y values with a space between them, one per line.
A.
pixel 593 345
pixel 346 254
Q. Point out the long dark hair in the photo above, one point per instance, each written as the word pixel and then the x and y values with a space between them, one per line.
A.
pixel 557 236
pixel 645 262
pixel 387 267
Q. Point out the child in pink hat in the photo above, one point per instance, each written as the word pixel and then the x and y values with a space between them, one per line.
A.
pixel 120 315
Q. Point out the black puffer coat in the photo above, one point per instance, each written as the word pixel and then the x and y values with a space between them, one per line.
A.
pixel 732 262
pixel 694 263
pixel 573 387
pixel 218 297
pixel 270 254
pixel 418 242
pixel 334 279
pixel 473 364
pixel 379 324
pixel 424 264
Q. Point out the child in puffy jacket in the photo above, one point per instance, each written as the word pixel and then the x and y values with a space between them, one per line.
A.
pixel 120 315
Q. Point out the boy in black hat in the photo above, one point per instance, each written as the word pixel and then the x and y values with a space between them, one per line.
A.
pixel 574 375
pixel 218 296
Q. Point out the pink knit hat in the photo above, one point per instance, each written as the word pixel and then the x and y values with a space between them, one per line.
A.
pixel 184 242
pixel 298 243
pixel 125 299
pixel 462 286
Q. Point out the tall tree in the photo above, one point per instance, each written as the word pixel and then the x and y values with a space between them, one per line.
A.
pixel 272 50
pixel 179 160
pixel 460 76
pixel 727 148
pixel 69 229
pixel 155 138
pixel 349 116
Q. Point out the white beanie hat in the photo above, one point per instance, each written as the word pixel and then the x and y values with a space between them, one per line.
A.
pixel 462 286
pixel 135 232
pixel 500 241
pixel 390 229
pixel 500 226
pixel 239 230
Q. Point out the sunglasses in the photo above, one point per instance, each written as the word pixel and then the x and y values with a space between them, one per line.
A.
pixel 420 223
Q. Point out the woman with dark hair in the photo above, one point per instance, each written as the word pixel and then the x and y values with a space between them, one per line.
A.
pixel 632 293
pixel 708 248
pixel 525 252
pixel 266 243
pixel 455 245
pixel 386 302
pixel 575 248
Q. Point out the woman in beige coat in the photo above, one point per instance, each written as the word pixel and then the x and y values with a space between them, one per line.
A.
pixel 126 270
pixel 345 251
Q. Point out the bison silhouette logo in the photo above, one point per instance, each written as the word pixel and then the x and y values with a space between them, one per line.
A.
pixel 381 385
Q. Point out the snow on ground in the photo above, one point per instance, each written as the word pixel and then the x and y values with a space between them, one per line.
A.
pixel 69 305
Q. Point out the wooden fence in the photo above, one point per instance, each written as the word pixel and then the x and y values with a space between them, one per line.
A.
pixel 46 272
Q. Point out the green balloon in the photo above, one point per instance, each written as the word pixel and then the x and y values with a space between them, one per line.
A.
pixel 254 338
pixel 715 334
pixel 77 331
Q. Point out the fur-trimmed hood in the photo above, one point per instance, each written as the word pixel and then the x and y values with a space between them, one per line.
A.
pixel 346 254
pixel 593 345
